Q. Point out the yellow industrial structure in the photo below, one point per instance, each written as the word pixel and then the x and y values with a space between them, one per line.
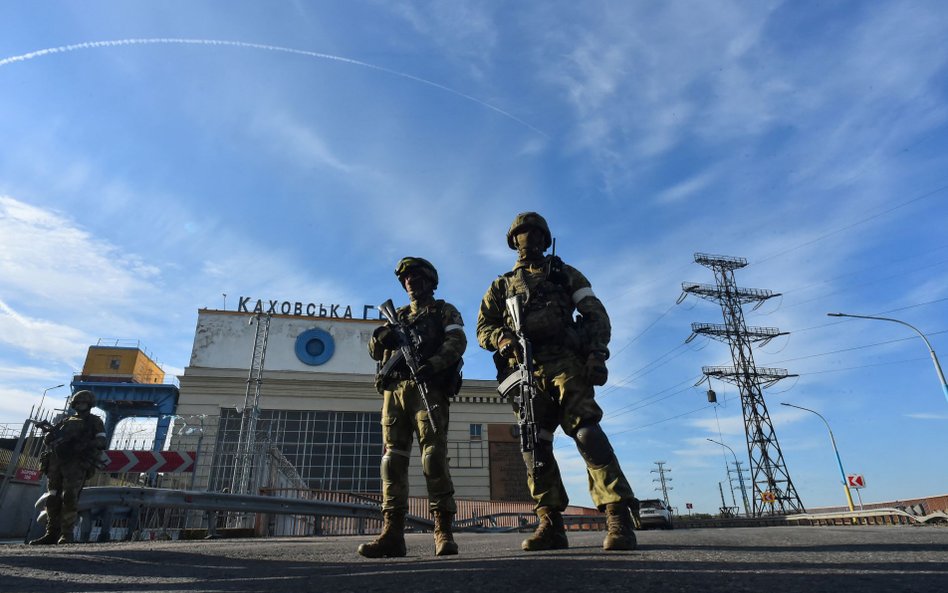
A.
pixel 118 364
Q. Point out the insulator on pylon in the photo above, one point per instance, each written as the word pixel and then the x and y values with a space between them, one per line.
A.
pixel 712 397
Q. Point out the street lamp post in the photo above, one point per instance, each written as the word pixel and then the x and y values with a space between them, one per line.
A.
pixel 44 394
pixel 941 375
pixel 740 477
pixel 842 472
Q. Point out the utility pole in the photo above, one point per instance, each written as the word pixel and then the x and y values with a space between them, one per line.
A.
pixel 740 484
pixel 770 478
pixel 663 481
pixel 730 483
pixel 725 511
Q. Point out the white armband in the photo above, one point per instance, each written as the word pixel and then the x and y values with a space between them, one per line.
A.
pixel 582 293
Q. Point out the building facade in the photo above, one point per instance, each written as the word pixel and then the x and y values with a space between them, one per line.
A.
pixel 317 408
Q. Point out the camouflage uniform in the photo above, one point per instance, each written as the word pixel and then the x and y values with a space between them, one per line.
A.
pixel 439 326
pixel 552 292
pixel 73 447
pixel 403 413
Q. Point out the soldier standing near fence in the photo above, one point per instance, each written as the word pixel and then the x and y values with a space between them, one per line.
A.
pixel 569 357
pixel 73 446
pixel 437 333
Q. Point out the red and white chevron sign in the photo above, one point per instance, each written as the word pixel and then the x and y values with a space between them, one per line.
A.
pixel 121 462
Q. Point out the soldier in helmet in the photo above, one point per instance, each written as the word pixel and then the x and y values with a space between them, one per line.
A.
pixel 569 359
pixel 440 332
pixel 73 447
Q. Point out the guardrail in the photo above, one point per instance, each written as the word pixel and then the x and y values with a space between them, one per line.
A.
pixel 109 502
pixel 99 497
pixel 114 502
pixel 884 516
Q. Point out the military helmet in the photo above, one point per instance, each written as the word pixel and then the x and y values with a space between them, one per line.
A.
pixel 85 396
pixel 407 263
pixel 529 219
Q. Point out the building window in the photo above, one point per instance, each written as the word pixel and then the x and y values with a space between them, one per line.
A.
pixel 115 364
pixel 329 450
pixel 476 432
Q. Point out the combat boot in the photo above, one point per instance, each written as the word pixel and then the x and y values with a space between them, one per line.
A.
pixel 391 542
pixel 619 524
pixel 66 537
pixel 444 539
pixel 53 514
pixel 49 538
pixel 550 533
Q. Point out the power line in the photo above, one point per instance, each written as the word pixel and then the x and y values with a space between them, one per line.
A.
pixel 645 403
pixel 854 224
pixel 905 308
pixel 873 269
pixel 866 366
pixel 851 348
pixel 629 377
pixel 868 282
pixel 641 333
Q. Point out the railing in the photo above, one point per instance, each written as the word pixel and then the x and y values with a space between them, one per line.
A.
pixel 146 513
pixel 884 516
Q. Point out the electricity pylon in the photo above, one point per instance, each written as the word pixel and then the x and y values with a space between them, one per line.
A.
pixel 770 478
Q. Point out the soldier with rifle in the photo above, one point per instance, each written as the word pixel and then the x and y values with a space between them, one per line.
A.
pixel 419 353
pixel 73 447
pixel 548 362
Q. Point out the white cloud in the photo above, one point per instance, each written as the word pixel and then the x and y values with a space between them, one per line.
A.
pixel 49 261
pixel 686 188
pixel 298 142
pixel 40 338
pixel 731 425
pixel 464 29
pixel 927 416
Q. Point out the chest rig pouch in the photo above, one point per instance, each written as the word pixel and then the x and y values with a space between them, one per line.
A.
pixel 426 330
pixel 547 304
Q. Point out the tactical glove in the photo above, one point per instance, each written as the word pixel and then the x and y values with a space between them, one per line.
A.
pixel 509 348
pixel 387 337
pixel 595 370
pixel 424 372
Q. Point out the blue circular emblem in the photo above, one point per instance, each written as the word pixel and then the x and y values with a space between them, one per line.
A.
pixel 314 347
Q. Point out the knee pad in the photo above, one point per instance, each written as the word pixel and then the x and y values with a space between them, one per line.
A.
pixel 433 461
pixel 394 467
pixel 593 445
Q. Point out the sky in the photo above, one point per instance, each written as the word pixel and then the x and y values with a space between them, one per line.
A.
pixel 158 156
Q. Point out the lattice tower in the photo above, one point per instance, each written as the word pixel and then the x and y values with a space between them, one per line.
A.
pixel 247 439
pixel 770 478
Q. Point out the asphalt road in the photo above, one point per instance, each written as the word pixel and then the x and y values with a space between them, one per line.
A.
pixel 763 560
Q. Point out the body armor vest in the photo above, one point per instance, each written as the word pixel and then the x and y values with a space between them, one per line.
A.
pixel 547 304
pixel 427 329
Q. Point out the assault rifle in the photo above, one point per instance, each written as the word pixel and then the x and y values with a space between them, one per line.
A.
pixel 524 383
pixel 408 346
pixel 50 429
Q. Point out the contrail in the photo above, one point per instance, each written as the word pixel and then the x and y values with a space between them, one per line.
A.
pixel 222 42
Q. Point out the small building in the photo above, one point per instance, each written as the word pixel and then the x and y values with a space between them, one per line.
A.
pixel 120 364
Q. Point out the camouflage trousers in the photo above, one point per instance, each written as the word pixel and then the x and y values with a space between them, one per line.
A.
pixel 567 400
pixel 404 415
pixel 65 479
